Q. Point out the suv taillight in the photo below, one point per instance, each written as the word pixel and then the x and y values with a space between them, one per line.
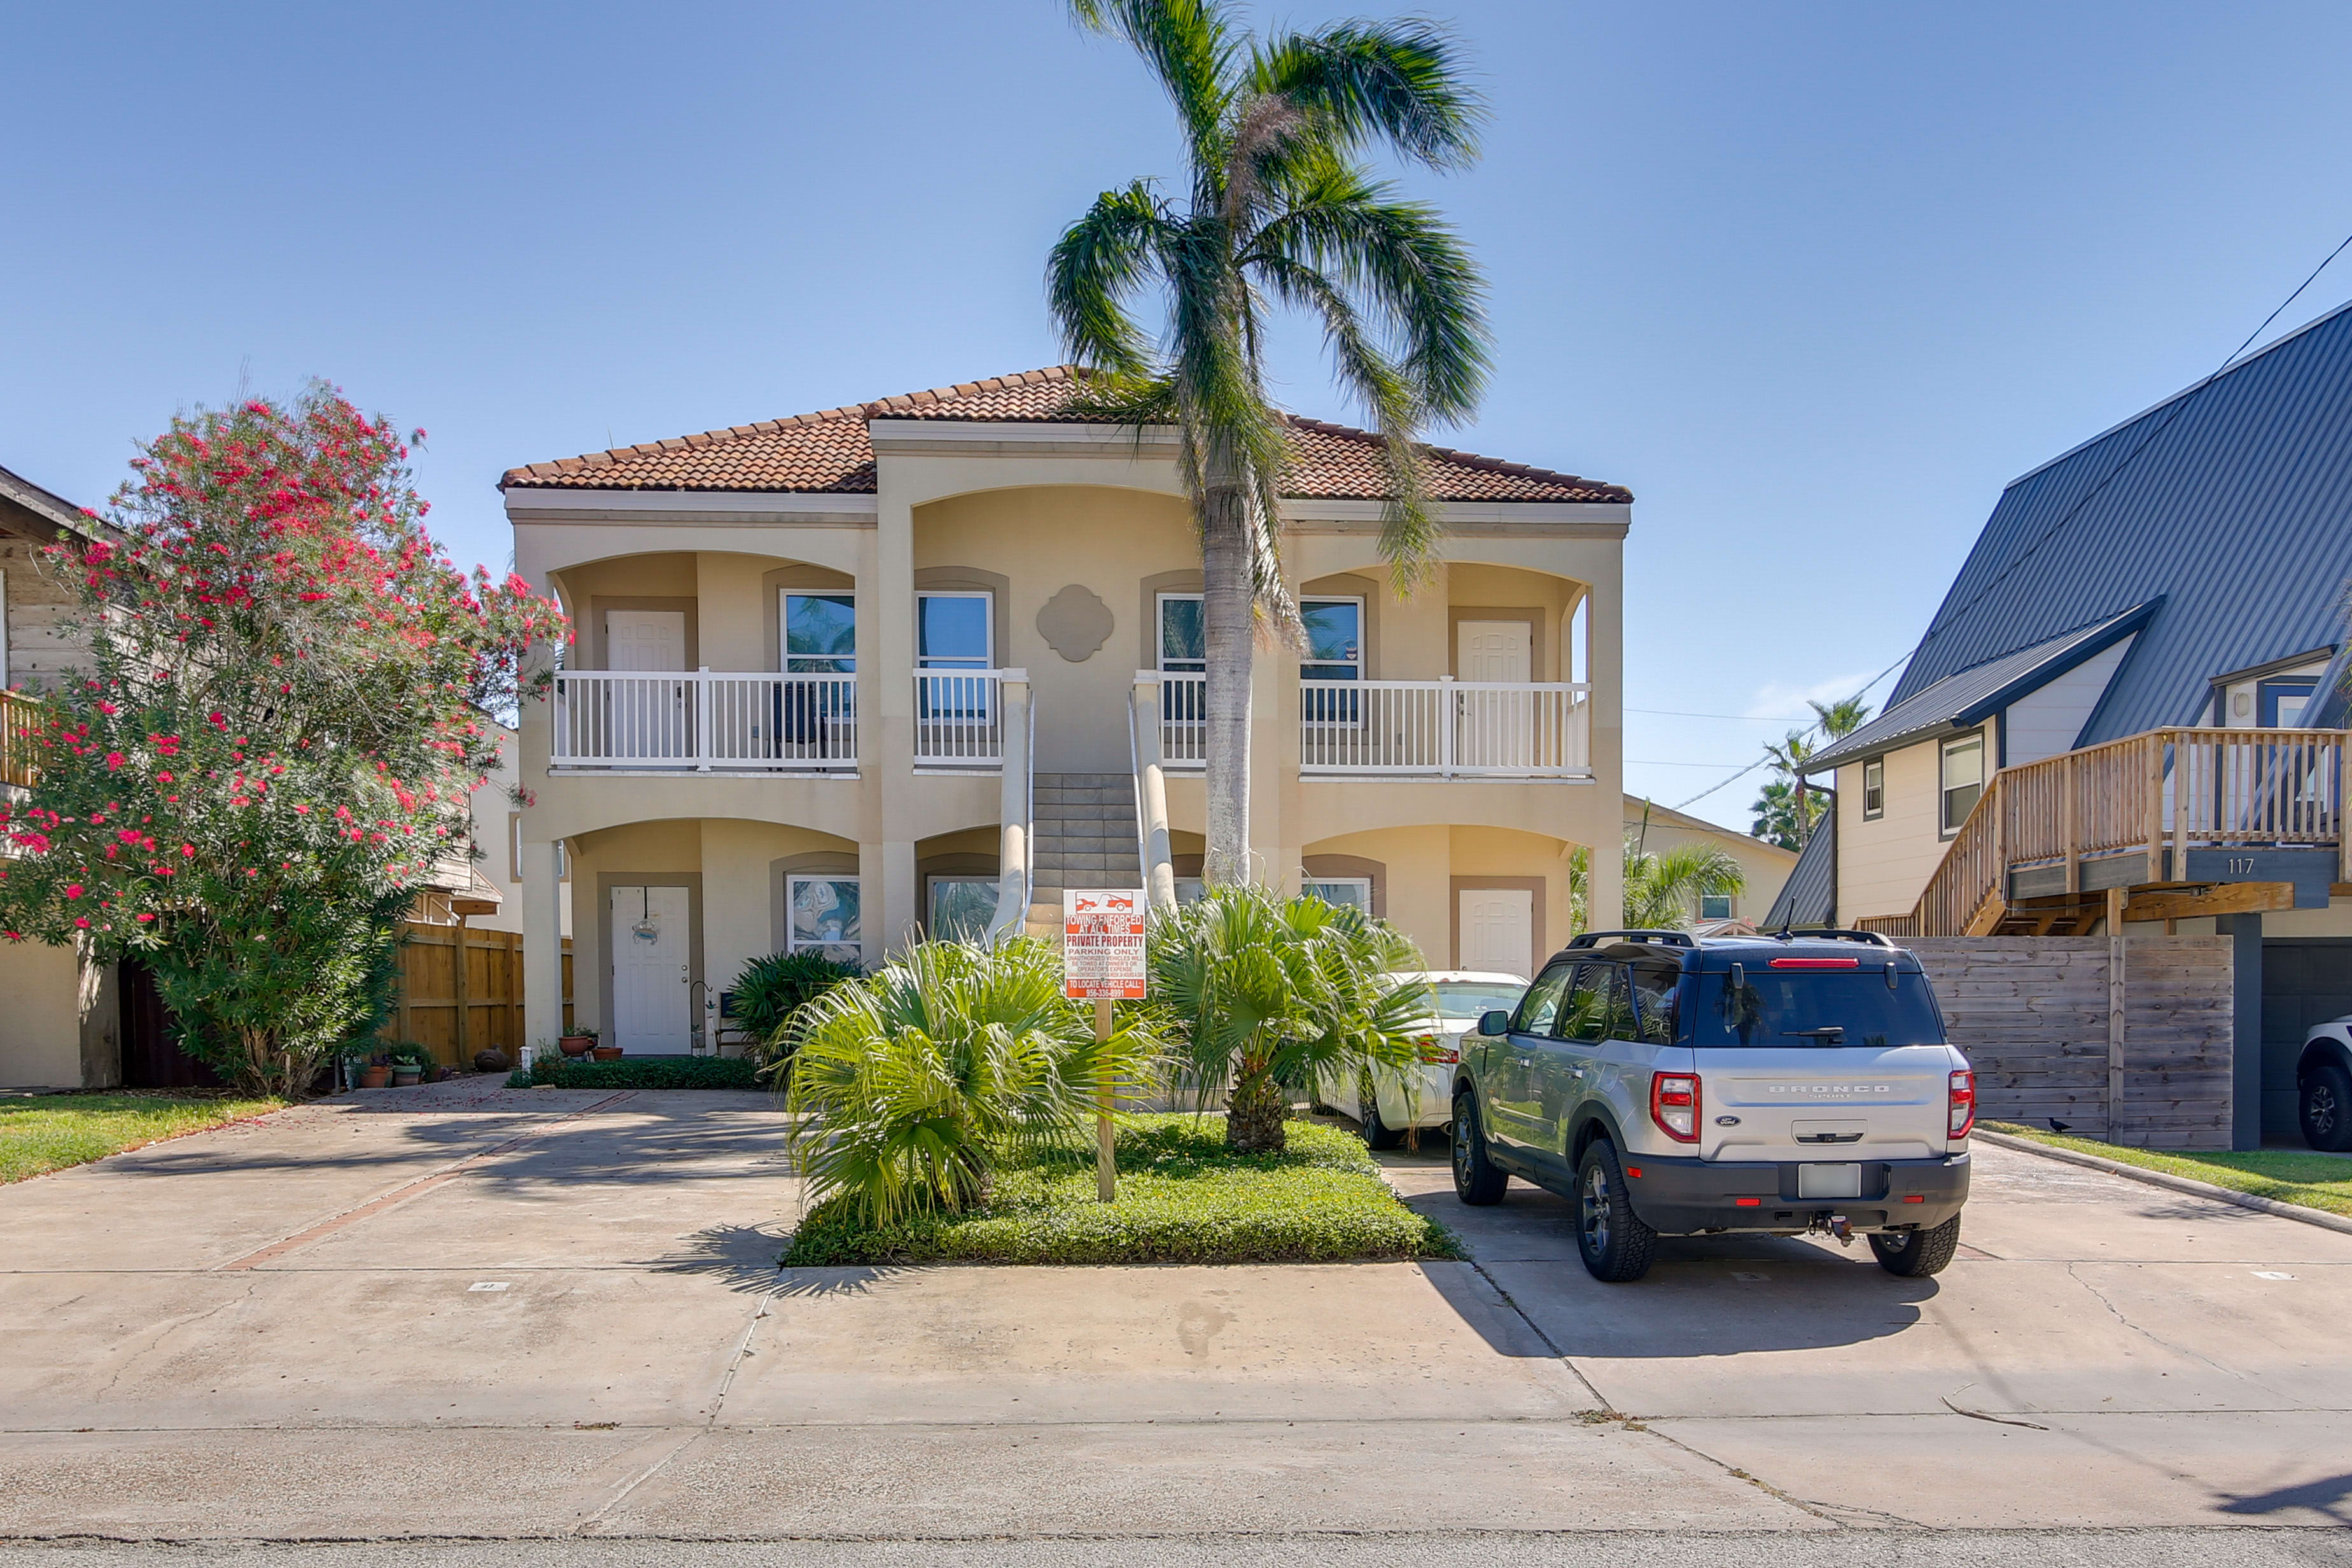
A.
pixel 1674 1105
pixel 1963 1115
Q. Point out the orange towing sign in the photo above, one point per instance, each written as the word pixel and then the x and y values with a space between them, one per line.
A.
pixel 1102 943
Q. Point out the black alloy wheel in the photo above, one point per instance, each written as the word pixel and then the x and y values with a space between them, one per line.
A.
pixel 2324 1106
pixel 1475 1178
pixel 1615 1245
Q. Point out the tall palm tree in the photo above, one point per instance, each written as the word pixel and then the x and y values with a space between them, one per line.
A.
pixel 1786 813
pixel 1278 210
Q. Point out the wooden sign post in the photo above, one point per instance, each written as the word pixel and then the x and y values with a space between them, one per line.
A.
pixel 1102 961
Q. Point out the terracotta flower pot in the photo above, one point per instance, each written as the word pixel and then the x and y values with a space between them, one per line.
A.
pixel 608 1053
pixel 406 1077
pixel 374 1077
pixel 576 1045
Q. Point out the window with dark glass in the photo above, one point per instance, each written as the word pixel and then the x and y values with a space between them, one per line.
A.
pixel 1539 1008
pixel 1873 790
pixel 1963 780
pixel 1654 986
pixel 1587 1015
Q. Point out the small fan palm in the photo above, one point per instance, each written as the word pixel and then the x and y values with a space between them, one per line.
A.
pixel 1264 993
pixel 1662 889
pixel 1278 210
pixel 912 1080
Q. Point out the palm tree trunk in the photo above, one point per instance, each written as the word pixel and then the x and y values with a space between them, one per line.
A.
pixel 1254 1111
pixel 1230 635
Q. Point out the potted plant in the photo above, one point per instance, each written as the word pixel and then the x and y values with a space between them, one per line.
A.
pixel 608 1053
pixel 579 1042
pixel 410 1062
pixel 376 1073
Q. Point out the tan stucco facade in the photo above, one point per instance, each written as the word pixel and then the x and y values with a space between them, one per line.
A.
pixel 1765 866
pixel 1023 517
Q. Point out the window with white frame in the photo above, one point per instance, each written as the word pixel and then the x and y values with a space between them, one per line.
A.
pixel 1715 906
pixel 819 633
pixel 822 917
pixel 1873 790
pixel 960 907
pixel 954 630
pixel 1347 892
pixel 1335 651
pixel 1963 779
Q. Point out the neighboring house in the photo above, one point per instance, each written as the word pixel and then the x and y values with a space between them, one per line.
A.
pixel 2113 712
pixel 59 1027
pixel 910 665
pixel 1765 865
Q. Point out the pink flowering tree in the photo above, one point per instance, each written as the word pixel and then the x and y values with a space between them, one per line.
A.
pixel 287 707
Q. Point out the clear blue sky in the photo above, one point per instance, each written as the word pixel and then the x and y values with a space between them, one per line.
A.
pixel 1815 280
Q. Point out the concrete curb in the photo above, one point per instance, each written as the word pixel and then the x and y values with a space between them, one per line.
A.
pixel 2319 1217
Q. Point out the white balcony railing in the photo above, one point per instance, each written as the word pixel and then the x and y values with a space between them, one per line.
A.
pixel 959 718
pixel 1443 729
pixel 701 720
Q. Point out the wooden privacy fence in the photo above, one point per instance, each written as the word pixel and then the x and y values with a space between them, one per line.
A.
pixel 2138 1053
pixel 456 1009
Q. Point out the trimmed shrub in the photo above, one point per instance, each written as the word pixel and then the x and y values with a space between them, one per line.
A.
pixel 1183 1198
pixel 640 1072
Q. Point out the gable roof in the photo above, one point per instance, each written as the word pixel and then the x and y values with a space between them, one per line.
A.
pixel 1966 698
pixel 831 452
pixel 2229 502
pixel 47 506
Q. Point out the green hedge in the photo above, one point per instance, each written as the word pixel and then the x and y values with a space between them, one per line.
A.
pixel 1183 1198
pixel 641 1072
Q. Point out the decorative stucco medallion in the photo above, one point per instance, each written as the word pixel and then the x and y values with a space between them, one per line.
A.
pixel 1075 623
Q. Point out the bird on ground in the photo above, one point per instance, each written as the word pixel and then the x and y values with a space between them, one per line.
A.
pixel 2058 1126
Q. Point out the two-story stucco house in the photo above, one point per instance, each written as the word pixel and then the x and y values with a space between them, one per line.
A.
pixel 917 664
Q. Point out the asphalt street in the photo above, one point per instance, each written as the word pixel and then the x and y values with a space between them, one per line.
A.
pixel 553 1318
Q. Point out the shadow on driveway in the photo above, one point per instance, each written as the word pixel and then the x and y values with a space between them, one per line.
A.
pixel 1704 1296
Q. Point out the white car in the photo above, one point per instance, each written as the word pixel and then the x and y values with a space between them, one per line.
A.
pixel 1425 1098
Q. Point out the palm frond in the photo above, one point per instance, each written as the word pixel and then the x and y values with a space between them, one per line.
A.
pixel 1190 47
pixel 1394 82
pixel 1101 262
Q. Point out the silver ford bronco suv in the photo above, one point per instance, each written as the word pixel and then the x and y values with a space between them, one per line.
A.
pixel 1674 1086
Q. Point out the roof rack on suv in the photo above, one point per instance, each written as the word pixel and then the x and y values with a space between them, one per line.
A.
pixel 1831 933
pixel 1661 938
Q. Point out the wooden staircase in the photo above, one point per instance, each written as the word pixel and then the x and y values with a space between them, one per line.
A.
pixel 2048 841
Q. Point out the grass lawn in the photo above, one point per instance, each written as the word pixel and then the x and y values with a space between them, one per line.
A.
pixel 2289 1175
pixel 51 1132
pixel 1183 1198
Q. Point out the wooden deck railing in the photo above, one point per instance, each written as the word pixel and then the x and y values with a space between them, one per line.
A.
pixel 20 729
pixel 2166 791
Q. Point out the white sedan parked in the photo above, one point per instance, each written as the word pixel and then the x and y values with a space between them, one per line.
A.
pixel 1425 1098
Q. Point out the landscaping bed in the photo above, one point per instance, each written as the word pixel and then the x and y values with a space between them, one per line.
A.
pixel 641 1072
pixel 1183 1198
pixel 51 1131
pixel 2285 1175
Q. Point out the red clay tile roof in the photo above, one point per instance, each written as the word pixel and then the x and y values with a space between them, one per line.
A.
pixel 830 452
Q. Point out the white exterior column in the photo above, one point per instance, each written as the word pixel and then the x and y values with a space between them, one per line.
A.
pixel 1012 889
pixel 887 649
pixel 1152 790
pixel 542 945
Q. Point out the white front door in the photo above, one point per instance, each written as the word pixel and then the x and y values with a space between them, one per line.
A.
pixel 651 969
pixel 644 639
pixel 1495 729
pixel 1498 930
pixel 1495 650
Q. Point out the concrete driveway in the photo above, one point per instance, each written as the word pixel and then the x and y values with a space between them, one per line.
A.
pixel 472 1312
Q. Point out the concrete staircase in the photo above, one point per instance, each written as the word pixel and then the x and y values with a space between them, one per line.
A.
pixel 1084 836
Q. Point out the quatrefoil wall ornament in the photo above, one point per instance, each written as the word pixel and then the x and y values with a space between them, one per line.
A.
pixel 1074 624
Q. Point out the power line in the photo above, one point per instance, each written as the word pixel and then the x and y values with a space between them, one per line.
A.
pixel 1945 618
pixel 1742 718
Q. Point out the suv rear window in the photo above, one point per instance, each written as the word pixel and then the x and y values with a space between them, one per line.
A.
pixel 1788 1009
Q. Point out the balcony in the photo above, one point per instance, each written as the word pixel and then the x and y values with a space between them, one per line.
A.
pixel 960 720
pixel 1443 729
pixel 701 722
pixel 2166 818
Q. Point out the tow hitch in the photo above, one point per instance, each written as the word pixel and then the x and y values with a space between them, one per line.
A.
pixel 1828 1224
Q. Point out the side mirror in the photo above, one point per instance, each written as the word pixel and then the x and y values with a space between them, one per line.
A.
pixel 1495 1022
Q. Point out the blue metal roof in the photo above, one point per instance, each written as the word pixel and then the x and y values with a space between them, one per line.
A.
pixel 1809 898
pixel 1968 696
pixel 2230 502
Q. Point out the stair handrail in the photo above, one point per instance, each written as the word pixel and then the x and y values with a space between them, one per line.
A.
pixel 1016 812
